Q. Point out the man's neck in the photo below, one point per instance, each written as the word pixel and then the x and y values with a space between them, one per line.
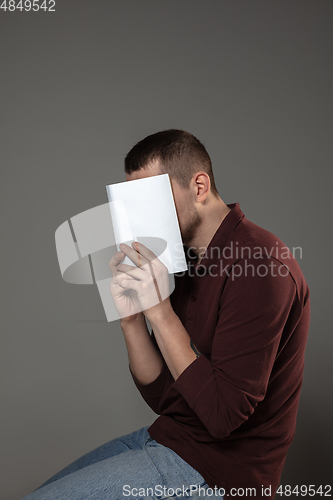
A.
pixel 211 219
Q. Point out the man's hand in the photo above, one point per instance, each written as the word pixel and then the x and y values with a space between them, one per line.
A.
pixel 126 301
pixel 142 288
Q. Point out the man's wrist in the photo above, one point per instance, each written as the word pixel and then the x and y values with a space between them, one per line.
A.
pixel 132 320
pixel 160 313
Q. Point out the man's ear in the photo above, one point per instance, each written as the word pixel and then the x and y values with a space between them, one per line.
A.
pixel 201 184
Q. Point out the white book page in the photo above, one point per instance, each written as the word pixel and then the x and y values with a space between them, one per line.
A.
pixel 143 210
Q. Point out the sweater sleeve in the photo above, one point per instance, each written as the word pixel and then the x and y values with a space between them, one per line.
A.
pixel 152 392
pixel 224 390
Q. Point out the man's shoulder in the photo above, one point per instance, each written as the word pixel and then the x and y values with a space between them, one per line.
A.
pixel 259 246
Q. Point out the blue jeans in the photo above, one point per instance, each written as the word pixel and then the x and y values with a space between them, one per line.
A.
pixel 130 467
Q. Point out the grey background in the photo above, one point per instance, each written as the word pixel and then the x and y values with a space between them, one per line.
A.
pixel 253 80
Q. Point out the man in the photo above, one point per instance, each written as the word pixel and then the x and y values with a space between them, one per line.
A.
pixel 223 366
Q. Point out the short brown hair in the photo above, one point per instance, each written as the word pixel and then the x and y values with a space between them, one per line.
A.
pixel 180 154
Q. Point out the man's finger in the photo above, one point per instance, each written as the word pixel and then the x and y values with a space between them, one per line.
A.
pixel 116 259
pixel 144 251
pixel 134 255
pixel 134 272
pixel 116 288
pixel 128 283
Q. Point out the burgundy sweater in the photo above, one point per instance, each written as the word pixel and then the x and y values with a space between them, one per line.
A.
pixel 232 413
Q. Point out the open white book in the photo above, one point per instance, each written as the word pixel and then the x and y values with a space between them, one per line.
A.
pixel 143 210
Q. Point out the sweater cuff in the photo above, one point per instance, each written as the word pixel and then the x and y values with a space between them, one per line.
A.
pixel 155 388
pixel 192 380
